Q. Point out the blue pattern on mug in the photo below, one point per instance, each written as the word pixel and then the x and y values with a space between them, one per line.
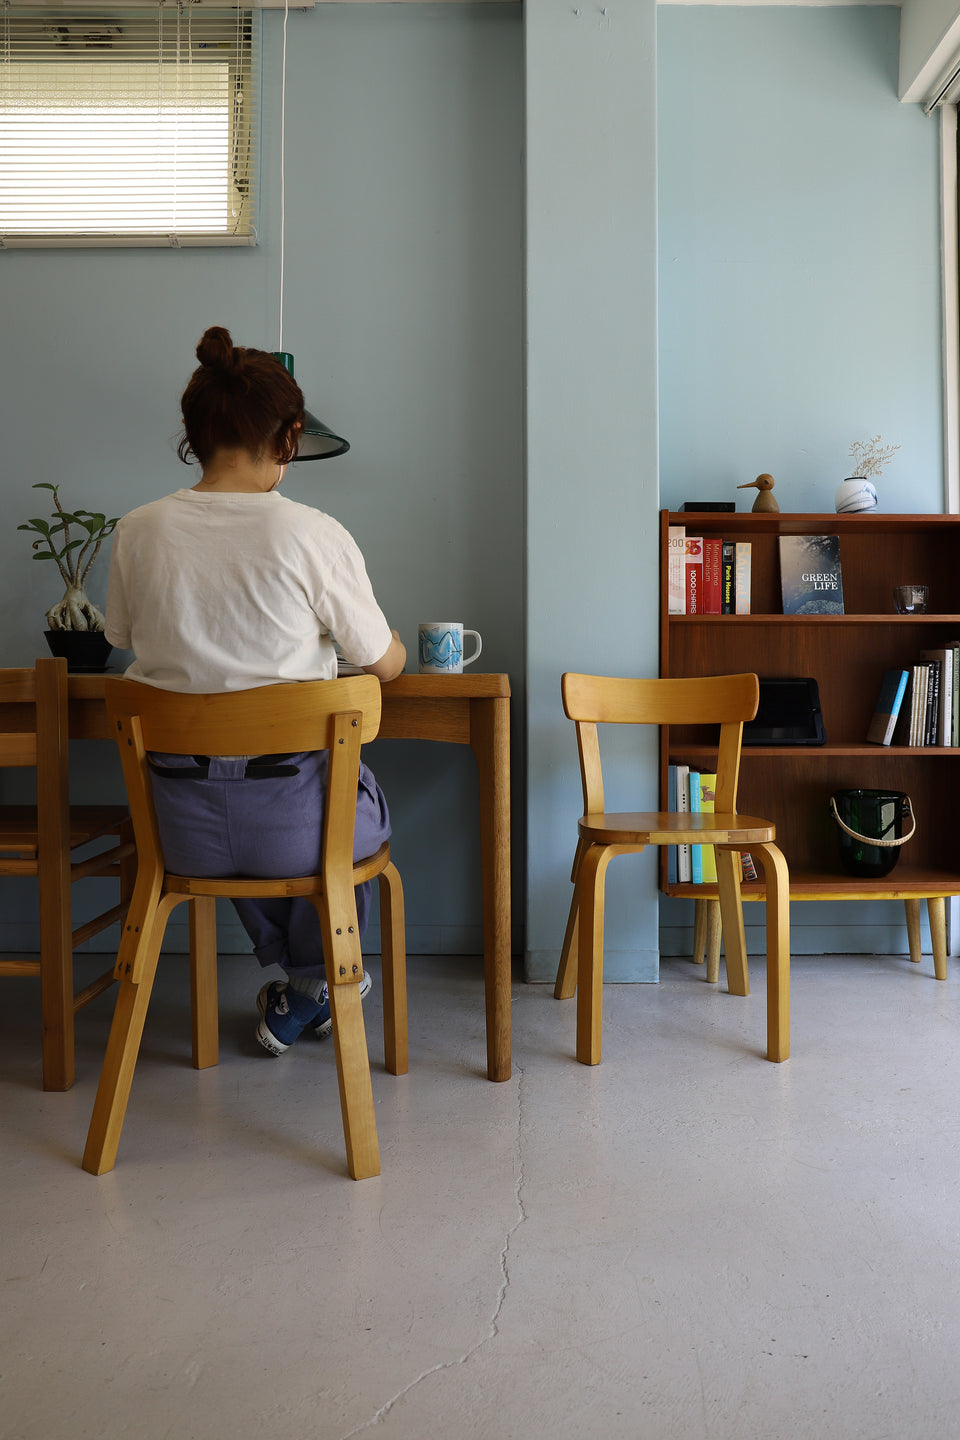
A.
pixel 441 649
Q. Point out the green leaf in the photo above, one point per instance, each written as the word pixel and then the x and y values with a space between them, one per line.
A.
pixel 44 485
pixel 44 555
pixel 41 526
pixel 72 546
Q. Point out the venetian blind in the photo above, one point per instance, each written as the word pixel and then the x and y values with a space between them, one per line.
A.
pixel 129 128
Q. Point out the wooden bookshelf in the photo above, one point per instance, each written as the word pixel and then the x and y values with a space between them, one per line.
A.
pixel 847 654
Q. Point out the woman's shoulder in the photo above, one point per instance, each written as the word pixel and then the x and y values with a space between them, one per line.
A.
pixel 312 523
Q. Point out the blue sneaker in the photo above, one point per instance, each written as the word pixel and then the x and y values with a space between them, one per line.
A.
pixel 284 1015
pixel 323 1024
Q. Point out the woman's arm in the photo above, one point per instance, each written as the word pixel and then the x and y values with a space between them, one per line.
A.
pixel 391 662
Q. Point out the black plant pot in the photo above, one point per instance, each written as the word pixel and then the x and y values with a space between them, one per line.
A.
pixel 83 650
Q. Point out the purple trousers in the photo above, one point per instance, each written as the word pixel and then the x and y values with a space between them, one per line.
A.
pixel 235 817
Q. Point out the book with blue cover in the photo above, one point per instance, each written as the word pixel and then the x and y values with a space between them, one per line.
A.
pixel 696 851
pixel 810 579
pixel 887 709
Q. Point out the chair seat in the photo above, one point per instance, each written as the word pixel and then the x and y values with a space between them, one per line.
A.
pixel 664 827
pixel 247 888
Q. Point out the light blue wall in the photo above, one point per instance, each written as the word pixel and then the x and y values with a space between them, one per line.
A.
pixel 799 289
pixel 591 440
pixel 799 256
pixel 404 312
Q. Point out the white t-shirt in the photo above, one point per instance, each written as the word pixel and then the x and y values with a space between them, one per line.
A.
pixel 216 591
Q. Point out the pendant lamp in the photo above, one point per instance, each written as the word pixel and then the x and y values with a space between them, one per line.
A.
pixel 317 441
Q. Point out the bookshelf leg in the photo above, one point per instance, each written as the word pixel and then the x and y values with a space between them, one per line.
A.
pixel 937 915
pixel 699 931
pixel 912 907
pixel 714 933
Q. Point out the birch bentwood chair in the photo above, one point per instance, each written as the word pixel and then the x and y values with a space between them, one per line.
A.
pixel 333 715
pixel 724 700
pixel 43 840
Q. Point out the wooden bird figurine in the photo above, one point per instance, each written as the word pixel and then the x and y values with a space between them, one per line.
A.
pixel 765 500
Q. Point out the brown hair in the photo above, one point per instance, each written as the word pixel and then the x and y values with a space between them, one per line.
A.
pixel 239 399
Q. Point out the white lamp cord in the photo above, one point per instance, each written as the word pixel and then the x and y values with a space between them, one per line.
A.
pixel 283 144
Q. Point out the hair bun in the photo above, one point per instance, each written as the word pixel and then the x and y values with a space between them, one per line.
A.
pixel 217 350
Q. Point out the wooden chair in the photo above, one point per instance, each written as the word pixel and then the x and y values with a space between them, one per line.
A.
pixel 41 840
pixel 334 715
pixel 724 700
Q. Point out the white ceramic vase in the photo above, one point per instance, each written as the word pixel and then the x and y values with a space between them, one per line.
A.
pixel 855 494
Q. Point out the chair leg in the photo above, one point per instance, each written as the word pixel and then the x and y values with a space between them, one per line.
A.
pixel 590 887
pixel 777 882
pixel 56 975
pixel 699 931
pixel 731 918
pixel 204 1013
pixel 937 915
pixel 393 950
pixel 912 908
pixel 567 971
pixel 353 1078
pixel 714 935
pixel 123 1046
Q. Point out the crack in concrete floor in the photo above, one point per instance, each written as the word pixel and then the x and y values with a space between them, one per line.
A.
pixel 493 1329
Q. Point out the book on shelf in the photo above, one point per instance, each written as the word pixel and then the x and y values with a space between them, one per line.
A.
pixel 696 851
pixel 741 579
pixel 747 866
pixel 684 868
pixel 887 709
pixel 728 578
pixel 810 579
pixel 954 647
pixel 708 855
pixel 918 717
pixel 943 688
pixel 676 594
pixel 693 574
pixel 928 734
pixel 712 575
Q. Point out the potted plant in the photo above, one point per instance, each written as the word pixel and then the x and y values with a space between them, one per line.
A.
pixel 75 624
pixel 858 492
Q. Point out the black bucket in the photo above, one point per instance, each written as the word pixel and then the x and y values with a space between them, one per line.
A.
pixel 871 829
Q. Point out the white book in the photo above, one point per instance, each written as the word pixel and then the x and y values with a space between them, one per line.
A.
pixel 676 596
pixel 684 873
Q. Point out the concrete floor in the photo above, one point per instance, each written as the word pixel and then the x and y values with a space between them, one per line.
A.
pixel 683 1243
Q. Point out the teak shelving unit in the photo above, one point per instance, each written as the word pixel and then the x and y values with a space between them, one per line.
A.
pixel 847 654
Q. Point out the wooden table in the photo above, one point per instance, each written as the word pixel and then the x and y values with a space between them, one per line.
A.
pixel 469 710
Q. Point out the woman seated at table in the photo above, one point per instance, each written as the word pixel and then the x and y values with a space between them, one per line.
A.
pixel 228 586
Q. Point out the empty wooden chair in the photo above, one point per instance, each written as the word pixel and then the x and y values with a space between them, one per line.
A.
pixel 724 700
pixel 42 840
pixel 334 715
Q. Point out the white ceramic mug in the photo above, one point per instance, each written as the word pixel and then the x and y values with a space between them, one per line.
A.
pixel 440 647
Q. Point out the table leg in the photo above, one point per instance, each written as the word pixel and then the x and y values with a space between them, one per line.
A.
pixel 490 742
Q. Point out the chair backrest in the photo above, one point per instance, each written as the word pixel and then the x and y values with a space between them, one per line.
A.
pixel 34 733
pixel 724 700
pixel 334 715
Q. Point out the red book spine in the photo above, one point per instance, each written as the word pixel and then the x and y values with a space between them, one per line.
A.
pixel 712 576
pixel 693 574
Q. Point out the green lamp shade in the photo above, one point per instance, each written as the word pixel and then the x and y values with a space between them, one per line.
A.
pixel 317 441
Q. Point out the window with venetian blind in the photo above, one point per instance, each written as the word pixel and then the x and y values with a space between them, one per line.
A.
pixel 131 127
